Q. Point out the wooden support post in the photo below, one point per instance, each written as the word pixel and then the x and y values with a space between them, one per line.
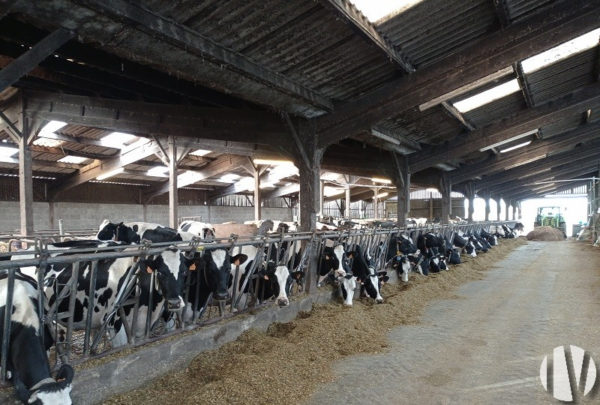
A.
pixel 446 190
pixel 514 210
pixel 403 202
pixel 375 203
pixel 506 213
pixel 430 207
pixel 347 211
pixel 519 213
pixel 257 199
pixel 51 220
pixel 145 212
pixel 470 194
pixel 498 209
pixel 322 199
pixel 173 195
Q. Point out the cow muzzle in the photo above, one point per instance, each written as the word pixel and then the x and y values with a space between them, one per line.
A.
pixel 175 304
pixel 221 296
pixel 283 302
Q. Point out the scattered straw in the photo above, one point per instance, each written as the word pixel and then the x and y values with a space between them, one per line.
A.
pixel 287 363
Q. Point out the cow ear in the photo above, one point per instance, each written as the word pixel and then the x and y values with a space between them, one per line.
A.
pixel 135 228
pixel 65 373
pixel 239 259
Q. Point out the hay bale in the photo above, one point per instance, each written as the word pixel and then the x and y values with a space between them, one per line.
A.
pixel 546 233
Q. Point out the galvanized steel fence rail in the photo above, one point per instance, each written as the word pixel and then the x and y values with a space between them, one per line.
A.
pixel 295 250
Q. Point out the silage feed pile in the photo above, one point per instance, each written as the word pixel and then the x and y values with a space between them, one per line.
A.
pixel 288 362
pixel 546 233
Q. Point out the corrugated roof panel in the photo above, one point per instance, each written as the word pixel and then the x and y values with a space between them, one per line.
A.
pixel 522 9
pixel 562 77
pixel 435 28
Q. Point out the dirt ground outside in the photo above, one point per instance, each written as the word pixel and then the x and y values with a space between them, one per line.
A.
pixel 292 361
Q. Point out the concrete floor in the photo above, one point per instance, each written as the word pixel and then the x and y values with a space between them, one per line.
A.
pixel 486 346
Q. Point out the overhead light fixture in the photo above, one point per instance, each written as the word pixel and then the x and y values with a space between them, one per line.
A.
pixel 486 97
pixel 515 147
pixel 110 174
pixel 272 162
pixel 200 152
pixel 158 171
pixel 117 140
pixel 562 51
pixel 382 195
pixel 72 159
pixel 380 180
pixel 514 138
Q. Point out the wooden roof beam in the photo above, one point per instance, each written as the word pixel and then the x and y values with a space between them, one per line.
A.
pixel 536 150
pixel 506 129
pixel 31 58
pixel 143 118
pixel 218 166
pixel 190 40
pixel 489 55
pixel 134 153
pixel 364 27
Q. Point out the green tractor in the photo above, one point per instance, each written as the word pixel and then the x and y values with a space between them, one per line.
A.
pixel 550 216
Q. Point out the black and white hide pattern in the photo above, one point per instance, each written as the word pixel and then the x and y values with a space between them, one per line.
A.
pixel 209 272
pixel 27 363
pixel 169 272
pixel 270 281
pixel 364 270
pixel 203 230
pixel 463 242
pixel 403 266
pixel 336 266
pixel 135 232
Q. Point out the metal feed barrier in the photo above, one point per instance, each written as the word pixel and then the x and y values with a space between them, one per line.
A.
pixel 77 345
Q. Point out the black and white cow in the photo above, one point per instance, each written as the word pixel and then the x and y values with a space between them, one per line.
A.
pixel 464 243
pixel 273 279
pixel 364 271
pixel 203 230
pixel 27 363
pixel 169 271
pixel 210 273
pixel 430 242
pixel 135 232
pixel 335 265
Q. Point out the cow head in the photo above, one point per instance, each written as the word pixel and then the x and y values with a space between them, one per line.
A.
pixel 347 285
pixel 169 276
pixel 364 270
pixel 107 230
pixel 277 277
pixel 217 265
pixel 406 245
pixel 402 265
pixel 48 391
pixel 334 260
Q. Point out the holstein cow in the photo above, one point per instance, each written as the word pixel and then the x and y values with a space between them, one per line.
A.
pixel 111 274
pixel 210 273
pixel 335 265
pixel 366 275
pixel 273 280
pixel 135 232
pixel 203 230
pixel 27 364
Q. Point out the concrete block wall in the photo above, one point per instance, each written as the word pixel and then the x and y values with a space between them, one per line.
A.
pixel 90 215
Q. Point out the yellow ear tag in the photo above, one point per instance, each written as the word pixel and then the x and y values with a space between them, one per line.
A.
pixel 148 269
pixel 200 249
pixel 193 267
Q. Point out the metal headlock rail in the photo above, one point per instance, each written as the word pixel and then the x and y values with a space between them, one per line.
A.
pixel 294 250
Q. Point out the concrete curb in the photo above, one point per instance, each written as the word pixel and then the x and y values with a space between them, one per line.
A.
pixel 93 385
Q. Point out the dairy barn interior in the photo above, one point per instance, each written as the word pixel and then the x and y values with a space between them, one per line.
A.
pixel 307 201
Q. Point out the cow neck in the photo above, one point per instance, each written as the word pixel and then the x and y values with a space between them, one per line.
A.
pixel 28 357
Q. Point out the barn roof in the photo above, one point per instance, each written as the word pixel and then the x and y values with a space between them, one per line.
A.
pixel 235 77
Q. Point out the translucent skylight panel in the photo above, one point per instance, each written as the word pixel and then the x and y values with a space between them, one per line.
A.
pixel 563 51
pixel 375 10
pixel 487 96
pixel 73 159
